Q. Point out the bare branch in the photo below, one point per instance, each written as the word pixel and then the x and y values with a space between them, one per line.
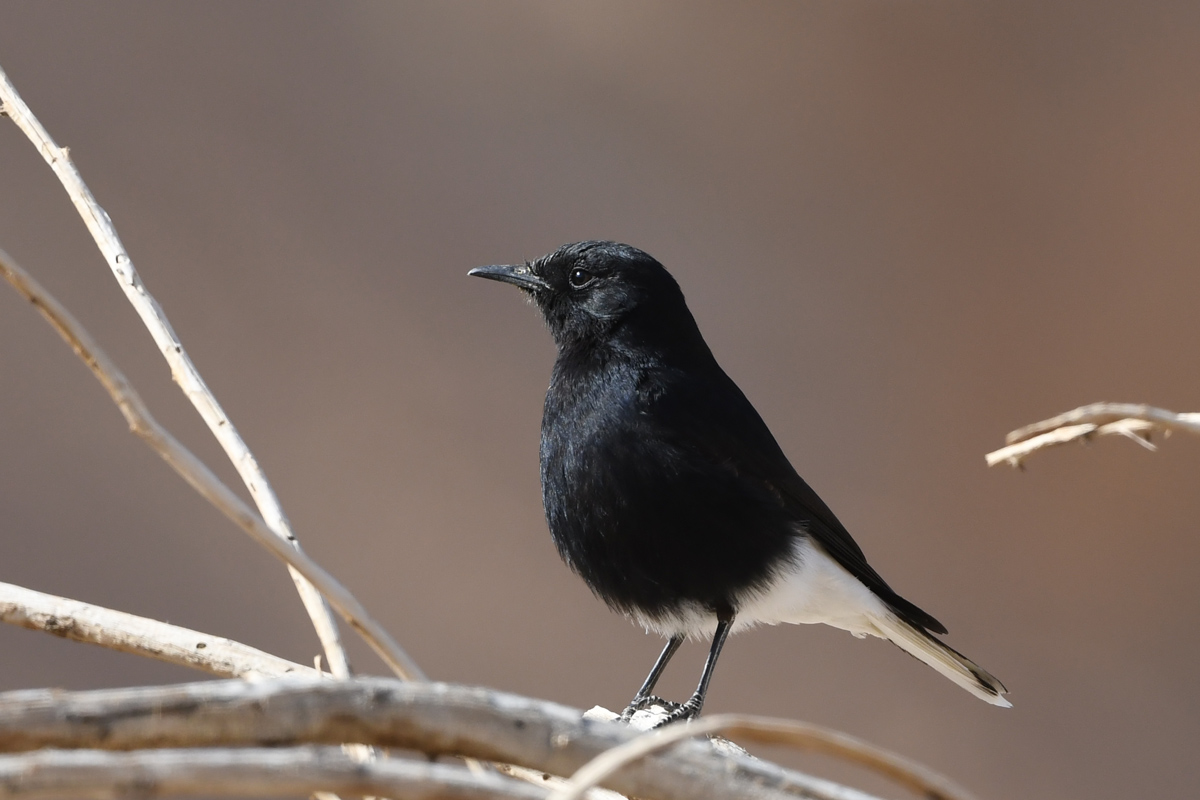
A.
pixel 437 719
pixel 182 369
pixel 199 476
pixel 116 630
pixel 243 772
pixel 1134 421
pixel 1102 413
pixel 554 782
pixel 764 730
pixel 83 622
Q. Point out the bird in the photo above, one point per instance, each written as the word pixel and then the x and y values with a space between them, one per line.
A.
pixel 664 489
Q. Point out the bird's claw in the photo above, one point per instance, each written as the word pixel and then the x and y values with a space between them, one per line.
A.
pixel 687 711
pixel 642 703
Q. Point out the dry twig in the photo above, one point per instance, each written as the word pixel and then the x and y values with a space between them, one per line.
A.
pixel 83 622
pixel 764 730
pixel 128 633
pixel 243 772
pixel 182 369
pixel 437 719
pixel 1131 420
pixel 199 476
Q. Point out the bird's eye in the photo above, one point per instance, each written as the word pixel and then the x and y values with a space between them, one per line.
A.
pixel 580 278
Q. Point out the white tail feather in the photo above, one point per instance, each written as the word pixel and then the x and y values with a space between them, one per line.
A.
pixel 955 666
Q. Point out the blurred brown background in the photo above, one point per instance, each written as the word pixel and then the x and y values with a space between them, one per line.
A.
pixel 905 229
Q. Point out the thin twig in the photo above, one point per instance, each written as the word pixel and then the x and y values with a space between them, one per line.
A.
pixel 437 719
pixel 554 782
pixel 764 730
pixel 253 772
pixel 1131 420
pixel 128 633
pixel 182 369
pixel 199 476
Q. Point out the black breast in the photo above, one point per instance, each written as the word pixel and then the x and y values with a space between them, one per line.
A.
pixel 642 509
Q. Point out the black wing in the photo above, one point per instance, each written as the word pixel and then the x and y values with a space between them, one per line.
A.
pixel 714 418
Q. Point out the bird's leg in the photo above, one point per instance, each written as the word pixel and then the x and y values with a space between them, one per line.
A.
pixel 692 707
pixel 651 679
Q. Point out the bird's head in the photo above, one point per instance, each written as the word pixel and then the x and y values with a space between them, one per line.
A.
pixel 588 290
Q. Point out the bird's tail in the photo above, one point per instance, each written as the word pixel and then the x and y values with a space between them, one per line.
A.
pixel 951 663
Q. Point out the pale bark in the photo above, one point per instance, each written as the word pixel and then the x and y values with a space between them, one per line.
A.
pixel 253 772
pixel 435 719
pixel 763 730
pixel 1131 420
pixel 128 633
pixel 194 471
pixel 100 225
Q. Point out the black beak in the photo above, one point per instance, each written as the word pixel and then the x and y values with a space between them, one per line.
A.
pixel 519 275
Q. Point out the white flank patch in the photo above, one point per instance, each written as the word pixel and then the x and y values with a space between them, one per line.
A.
pixel 813 588
pixel 810 588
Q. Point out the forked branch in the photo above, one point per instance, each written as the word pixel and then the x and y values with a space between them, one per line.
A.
pixel 1134 421
pixel 182 370
pixel 199 476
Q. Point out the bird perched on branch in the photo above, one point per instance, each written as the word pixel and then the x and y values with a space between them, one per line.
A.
pixel 664 489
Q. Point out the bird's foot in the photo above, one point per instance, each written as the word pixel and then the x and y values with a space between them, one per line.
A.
pixel 687 711
pixel 644 702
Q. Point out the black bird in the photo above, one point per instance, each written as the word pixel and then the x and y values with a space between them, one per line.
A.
pixel 664 489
